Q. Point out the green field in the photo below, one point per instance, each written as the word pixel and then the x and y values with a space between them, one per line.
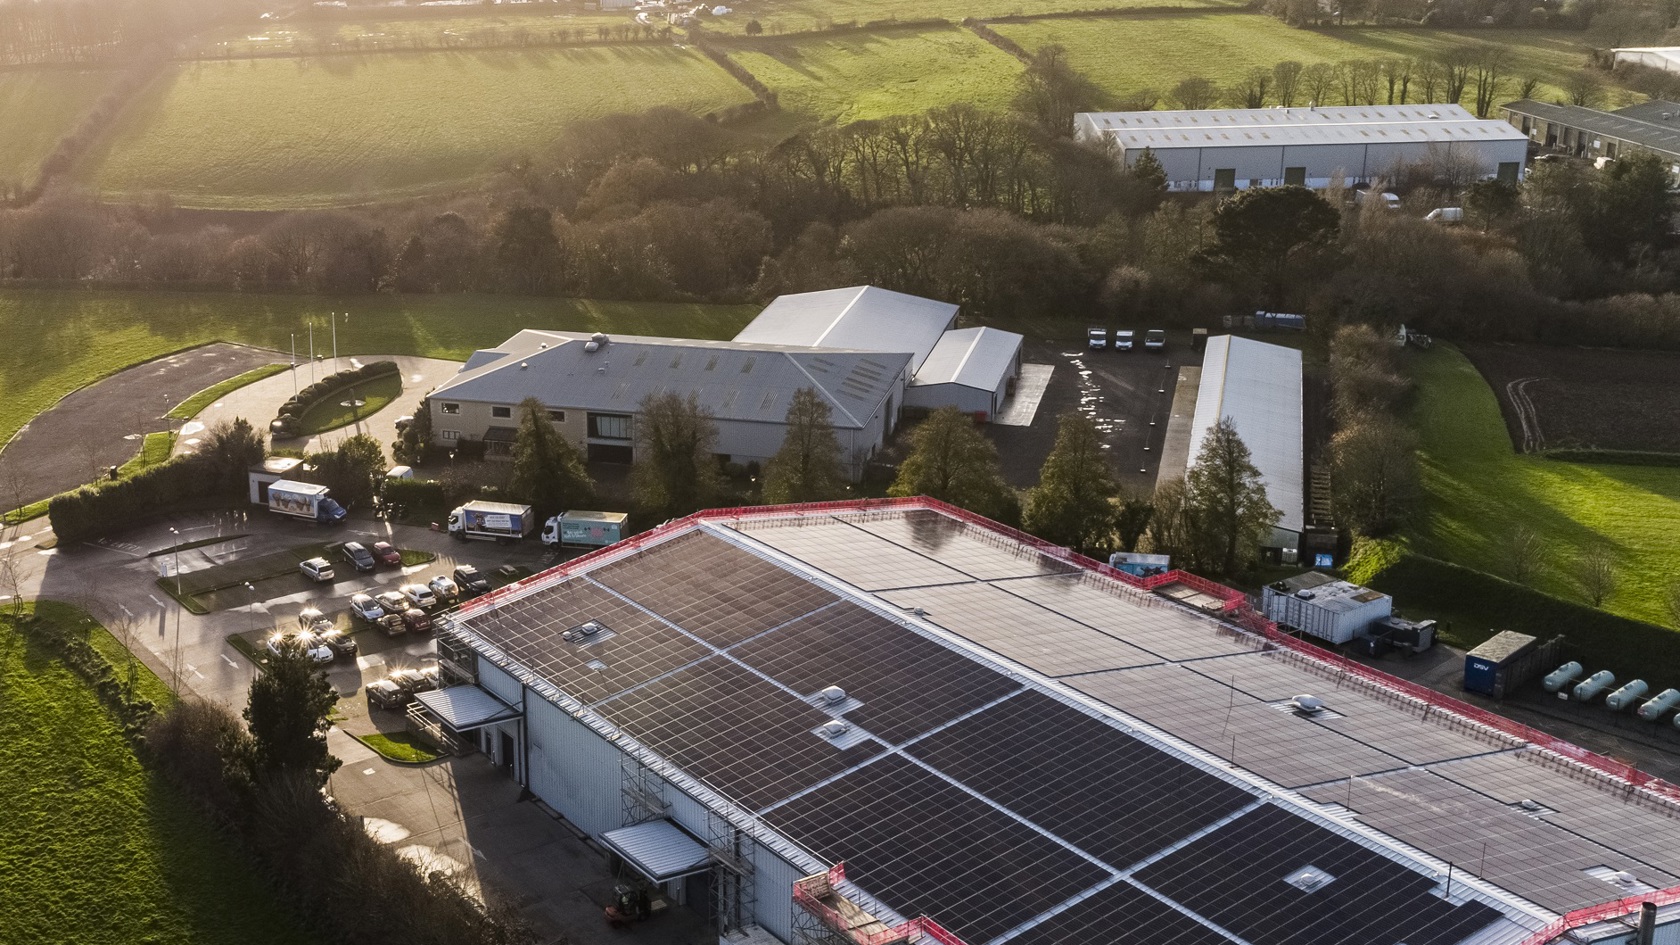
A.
pixel 330 414
pixel 297 36
pixel 848 77
pixel 53 342
pixel 1123 56
pixel 280 133
pixel 93 848
pixel 793 15
pixel 38 107
pixel 1479 490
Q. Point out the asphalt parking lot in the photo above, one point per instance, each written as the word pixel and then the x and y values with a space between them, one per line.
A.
pixel 1128 394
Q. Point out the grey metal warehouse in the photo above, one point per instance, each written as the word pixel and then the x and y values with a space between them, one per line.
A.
pixel 868 352
pixel 1236 148
pixel 892 721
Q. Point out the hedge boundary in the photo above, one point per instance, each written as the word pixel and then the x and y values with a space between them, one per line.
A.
pixel 1570 454
pixel 285 423
pixel 132 711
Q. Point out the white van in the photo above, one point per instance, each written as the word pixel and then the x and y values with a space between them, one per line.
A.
pixel 1445 215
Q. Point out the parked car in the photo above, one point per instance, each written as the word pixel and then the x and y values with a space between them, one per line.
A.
pixel 311 620
pixel 419 595
pixel 1124 339
pixel 1096 338
pixel 385 694
pixel 403 422
pixel 444 588
pixel 386 553
pixel 357 554
pixel 317 651
pixel 393 601
pixel 416 620
pixel 319 570
pixel 391 625
pixel 470 580
pixel 341 643
pixel 365 607
pixel 1154 340
pixel 424 679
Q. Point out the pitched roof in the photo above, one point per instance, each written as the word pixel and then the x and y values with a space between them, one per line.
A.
pixel 971 357
pixel 1650 135
pixel 1258 386
pixel 734 381
pixel 863 318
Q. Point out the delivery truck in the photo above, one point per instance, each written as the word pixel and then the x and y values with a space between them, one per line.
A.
pixel 491 521
pixel 580 529
pixel 304 500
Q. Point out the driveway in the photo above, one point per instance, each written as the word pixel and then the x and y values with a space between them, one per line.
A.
pixel 77 439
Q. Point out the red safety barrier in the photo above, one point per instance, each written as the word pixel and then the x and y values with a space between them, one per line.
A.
pixel 903 932
pixel 1600 913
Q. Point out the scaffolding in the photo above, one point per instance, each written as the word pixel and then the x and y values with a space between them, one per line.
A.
pixel 733 887
pixel 640 792
pixel 826 917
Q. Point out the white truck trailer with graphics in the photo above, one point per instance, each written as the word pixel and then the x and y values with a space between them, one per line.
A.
pixel 304 500
pixel 491 521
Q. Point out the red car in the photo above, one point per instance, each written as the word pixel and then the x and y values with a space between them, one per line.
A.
pixel 386 554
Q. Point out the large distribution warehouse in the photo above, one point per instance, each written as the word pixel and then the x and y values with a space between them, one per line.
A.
pixel 892 721
pixel 1237 148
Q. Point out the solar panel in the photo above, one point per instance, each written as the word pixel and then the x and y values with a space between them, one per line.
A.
pixel 1121 914
pixel 1115 797
pixel 907 683
pixel 923 846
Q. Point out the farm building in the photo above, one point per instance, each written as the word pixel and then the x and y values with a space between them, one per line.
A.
pixel 893 721
pixel 860 348
pixel 1225 149
pixel 1258 386
pixel 1666 58
pixel 1652 127
pixel 1321 606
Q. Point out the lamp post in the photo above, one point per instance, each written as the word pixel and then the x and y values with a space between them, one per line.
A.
pixel 175 660
pixel 253 589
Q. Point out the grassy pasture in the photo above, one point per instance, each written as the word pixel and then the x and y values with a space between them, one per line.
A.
pixel 851 76
pixel 38 107
pixel 53 342
pixel 299 36
pixel 94 849
pixel 815 14
pixel 1478 490
pixel 284 133
pixel 1125 55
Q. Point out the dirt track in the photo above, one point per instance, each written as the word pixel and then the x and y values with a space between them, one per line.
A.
pixel 101 425
pixel 1584 397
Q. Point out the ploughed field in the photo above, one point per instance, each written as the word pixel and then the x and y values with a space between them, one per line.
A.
pixel 1584 397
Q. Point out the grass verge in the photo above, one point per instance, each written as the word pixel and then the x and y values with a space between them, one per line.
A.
pixel 332 413
pixel 399 747
pixel 412 557
pixel 1478 492
pixel 189 408
pixel 96 849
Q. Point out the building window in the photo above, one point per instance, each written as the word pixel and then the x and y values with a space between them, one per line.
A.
pixel 1225 178
pixel 558 416
pixel 609 426
pixel 449 434
pixel 1296 176
pixel 501 413
pixel 1508 171
pixel 451 408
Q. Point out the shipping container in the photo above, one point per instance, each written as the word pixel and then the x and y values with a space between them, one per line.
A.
pixel 1487 667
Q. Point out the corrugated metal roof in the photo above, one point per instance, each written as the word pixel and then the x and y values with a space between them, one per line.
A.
pixel 1652 136
pixel 1258 386
pixel 464 708
pixel 863 318
pixel 973 357
pixel 735 381
pixel 659 850
pixel 1274 127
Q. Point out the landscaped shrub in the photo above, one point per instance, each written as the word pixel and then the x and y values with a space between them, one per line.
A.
pixel 287 421
pixel 71 646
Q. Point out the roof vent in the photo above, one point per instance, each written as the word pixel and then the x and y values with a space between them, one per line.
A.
pixel 834 695
pixel 835 729
pixel 1624 878
pixel 1305 595
pixel 1529 803
pixel 524 365
pixel 595 342
pixel 1307 704
pixel 543 346
pixel 584 631
pixel 1309 879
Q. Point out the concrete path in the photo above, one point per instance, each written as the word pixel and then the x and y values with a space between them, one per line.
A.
pixel 1175 445
pixel 77 439
pixel 1022 406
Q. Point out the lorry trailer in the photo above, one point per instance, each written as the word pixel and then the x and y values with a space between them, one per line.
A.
pixel 304 500
pixel 491 521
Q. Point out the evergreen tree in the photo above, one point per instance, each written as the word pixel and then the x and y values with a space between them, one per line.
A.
pixel 807 467
pixel 1072 503
pixel 351 470
pixel 1227 501
pixel 951 461
pixel 675 472
pixel 287 713
pixel 1148 172
pixel 548 472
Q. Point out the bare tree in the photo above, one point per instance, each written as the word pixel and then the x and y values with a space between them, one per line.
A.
pixel 11 582
pixel 1397 76
pixel 1252 90
pixel 1286 79
pixel 1523 553
pixel 1596 570
pixel 1316 82
pixel 1527 85
pixel 1584 89
pixel 1195 92
pixel 1489 68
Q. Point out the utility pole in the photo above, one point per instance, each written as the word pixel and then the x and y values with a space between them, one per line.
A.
pixel 294 364
pixel 175 660
pixel 335 340
pixel 312 351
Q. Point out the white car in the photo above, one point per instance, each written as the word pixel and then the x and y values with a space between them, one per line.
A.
pixel 318 651
pixel 366 608
pixel 1124 338
pixel 444 588
pixel 419 595
pixel 319 570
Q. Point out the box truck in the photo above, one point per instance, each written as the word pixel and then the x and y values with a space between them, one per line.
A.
pixel 491 521
pixel 579 529
pixel 304 500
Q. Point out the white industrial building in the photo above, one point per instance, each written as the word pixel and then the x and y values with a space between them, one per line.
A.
pixel 1666 58
pixel 868 353
pixel 893 721
pixel 1224 149
pixel 1258 386
pixel 1321 606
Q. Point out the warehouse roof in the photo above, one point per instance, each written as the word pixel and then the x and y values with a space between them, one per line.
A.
pixel 1652 136
pixel 735 381
pixel 1273 127
pixel 1656 110
pixel 1258 386
pixel 1037 751
pixel 863 318
pixel 971 357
